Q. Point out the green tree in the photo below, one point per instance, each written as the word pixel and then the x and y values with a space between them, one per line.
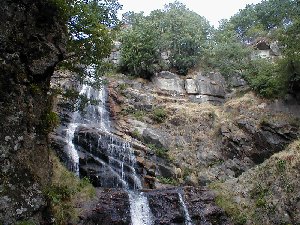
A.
pixel 140 46
pixel 276 20
pixel 175 30
pixel 90 25
pixel 228 53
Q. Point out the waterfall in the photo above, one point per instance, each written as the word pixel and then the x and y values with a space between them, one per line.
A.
pixel 187 218
pixel 139 208
pixel 72 152
pixel 117 168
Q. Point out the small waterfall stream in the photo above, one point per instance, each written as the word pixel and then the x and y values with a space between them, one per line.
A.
pixel 121 159
pixel 187 218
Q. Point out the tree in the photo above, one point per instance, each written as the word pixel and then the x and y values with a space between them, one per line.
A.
pixel 140 46
pixel 228 53
pixel 90 25
pixel 276 20
pixel 175 30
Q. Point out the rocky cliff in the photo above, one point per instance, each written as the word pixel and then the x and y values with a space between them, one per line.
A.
pixel 205 131
pixel 32 42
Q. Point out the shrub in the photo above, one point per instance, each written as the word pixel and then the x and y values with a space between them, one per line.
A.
pixel 167 180
pixel 266 78
pixel 49 121
pixel 159 115
pixel 159 151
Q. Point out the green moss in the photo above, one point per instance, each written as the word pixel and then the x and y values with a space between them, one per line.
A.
pixel 49 121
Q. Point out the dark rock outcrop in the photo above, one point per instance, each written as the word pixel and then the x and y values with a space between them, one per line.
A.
pixel 112 207
pixel 257 143
pixel 167 208
pixel 32 42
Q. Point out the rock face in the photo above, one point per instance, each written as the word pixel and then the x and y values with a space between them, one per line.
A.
pixel 168 81
pixel 112 207
pixel 209 88
pixel 109 207
pixel 167 207
pixel 271 137
pixel 203 88
pixel 32 42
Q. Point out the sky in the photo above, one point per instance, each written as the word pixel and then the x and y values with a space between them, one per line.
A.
pixel 212 10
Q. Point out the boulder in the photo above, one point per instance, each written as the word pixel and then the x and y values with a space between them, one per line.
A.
pixel 154 137
pixel 167 81
pixel 207 86
pixel 190 86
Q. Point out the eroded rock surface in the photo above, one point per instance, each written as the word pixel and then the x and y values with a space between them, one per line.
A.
pixel 32 42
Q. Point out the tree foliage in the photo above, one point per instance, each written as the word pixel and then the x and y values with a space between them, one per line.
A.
pixel 228 53
pixel 90 25
pixel 275 20
pixel 175 31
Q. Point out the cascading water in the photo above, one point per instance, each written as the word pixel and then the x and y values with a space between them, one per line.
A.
pixel 187 218
pixel 94 115
pixel 119 161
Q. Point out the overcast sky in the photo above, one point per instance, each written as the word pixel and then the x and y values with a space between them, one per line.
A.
pixel 212 10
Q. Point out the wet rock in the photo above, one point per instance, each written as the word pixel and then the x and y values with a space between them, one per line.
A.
pixel 111 206
pixel 167 208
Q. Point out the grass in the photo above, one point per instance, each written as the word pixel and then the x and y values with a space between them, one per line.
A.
pixel 65 192
pixel 167 180
pixel 159 151
pixel 136 134
pixel 49 121
pixel 262 192
pixel 224 200
pixel 159 115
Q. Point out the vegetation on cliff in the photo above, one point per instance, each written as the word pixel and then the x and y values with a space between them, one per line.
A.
pixel 91 29
pixel 179 39
pixel 176 32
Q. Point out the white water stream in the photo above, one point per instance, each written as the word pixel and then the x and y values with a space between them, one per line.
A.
pixel 121 155
pixel 187 218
